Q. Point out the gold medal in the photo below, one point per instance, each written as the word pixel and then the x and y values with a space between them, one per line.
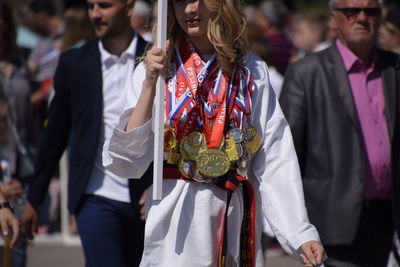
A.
pixel 194 144
pixel 230 149
pixel 195 139
pixel 173 156
pixel 182 149
pixel 253 145
pixel 213 163
pixel 169 138
pixel 250 133
pixel 222 145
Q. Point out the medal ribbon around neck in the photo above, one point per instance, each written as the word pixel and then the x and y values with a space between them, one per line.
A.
pixel 242 85
pixel 191 73
pixel 205 106
pixel 210 103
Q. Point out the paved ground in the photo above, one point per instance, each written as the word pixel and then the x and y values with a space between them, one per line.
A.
pixel 57 255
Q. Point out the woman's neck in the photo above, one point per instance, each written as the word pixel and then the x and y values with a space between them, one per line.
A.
pixel 203 45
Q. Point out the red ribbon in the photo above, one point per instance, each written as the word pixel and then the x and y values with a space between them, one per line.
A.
pixel 230 183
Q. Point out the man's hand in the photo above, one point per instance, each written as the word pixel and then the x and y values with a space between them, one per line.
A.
pixel 29 220
pixel 12 189
pixel 312 253
pixel 8 219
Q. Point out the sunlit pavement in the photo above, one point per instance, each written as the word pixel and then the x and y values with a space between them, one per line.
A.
pixel 57 255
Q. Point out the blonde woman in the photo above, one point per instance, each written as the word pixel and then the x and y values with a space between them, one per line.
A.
pixel 229 156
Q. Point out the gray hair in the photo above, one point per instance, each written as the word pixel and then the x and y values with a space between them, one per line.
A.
pixel 275 11
pixel 333 3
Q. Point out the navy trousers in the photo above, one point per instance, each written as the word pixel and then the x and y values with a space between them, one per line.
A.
pixel 112 233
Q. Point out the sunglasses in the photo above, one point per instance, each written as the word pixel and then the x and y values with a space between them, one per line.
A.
pixel 352 12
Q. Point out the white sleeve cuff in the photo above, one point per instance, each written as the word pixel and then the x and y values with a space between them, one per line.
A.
pixel 128 154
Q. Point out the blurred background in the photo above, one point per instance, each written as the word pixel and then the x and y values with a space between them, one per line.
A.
pixel 291 4
pixel 294 5
pixel 32 36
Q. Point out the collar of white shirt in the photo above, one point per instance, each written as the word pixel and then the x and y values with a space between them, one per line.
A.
pixel 109 60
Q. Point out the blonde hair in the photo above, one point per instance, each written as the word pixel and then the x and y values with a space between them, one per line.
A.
pixel 226 31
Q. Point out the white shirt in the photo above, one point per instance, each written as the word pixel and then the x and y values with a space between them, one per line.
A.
pixel 148 37
pixel 117 79
pixel 183 229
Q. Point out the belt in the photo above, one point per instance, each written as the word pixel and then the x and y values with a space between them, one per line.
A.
pixel 230 182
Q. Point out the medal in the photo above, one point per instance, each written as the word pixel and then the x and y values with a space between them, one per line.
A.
pixel 213 163
pixel 184 167
pixel 237 134
pixel 169 138
pixel 250 133
pixel 194 143
pixel 252 140
pixel 253 145
pixel 222 145
pixel 243 165
pixel 196 175
pixel 230 149
pixel 173 156
pixel 240 150
pixel 182 149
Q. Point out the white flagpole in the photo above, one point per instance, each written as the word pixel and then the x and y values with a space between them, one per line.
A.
pixel 159 105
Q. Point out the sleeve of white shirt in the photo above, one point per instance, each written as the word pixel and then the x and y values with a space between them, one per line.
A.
pixel 128 154
pixel 276 168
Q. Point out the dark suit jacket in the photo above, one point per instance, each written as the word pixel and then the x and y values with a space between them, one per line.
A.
pixel 77 108
pixel 318 103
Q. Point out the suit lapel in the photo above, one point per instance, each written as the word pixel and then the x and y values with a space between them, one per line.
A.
pixel 388 74
pixel 95 75
pixel 340 78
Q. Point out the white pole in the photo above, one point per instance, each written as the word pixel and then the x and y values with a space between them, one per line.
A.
pixel 159 104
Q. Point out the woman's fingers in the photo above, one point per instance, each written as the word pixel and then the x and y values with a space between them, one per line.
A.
pixel 312 253
pixel 156 62
pixel 156 66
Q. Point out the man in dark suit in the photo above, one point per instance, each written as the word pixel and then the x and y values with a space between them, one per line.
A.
pixel 342 105
pixel 90 85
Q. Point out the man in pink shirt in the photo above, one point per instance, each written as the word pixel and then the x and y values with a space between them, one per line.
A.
pixel 343 108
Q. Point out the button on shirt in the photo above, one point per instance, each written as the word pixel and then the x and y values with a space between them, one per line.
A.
pixel 117 79
pixel 367 88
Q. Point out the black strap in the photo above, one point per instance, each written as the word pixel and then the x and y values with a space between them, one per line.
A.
pixel 141 49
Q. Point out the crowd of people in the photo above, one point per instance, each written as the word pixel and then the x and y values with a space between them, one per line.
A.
pixel 279 125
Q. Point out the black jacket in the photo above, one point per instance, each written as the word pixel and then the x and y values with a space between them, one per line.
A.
pixel 77 108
